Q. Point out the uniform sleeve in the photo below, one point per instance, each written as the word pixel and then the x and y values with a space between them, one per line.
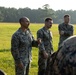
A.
pixel 69 32
pixel 34 42
pixel 41 45
pixel 14 48
pixel 51 42
pixel 59 28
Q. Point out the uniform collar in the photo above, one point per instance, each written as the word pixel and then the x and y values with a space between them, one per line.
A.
pixel 66 24
pixel 22 32
pixel 45 28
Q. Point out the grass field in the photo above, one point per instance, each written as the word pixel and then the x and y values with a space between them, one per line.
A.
pixel 6 60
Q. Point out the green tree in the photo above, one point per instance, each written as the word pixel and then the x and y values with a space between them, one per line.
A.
pixel 47 11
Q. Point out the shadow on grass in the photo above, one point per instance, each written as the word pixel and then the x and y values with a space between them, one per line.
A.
pixel 4 50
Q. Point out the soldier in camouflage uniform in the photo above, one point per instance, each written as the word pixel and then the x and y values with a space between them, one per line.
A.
pixel 45 47
pixel 21 45
pixel 64 60
pixel 65 29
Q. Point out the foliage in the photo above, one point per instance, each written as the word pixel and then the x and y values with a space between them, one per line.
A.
pixel 35 15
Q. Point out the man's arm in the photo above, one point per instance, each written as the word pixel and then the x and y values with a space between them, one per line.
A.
pixel 14 48
pixel 60 29
pixel 34 42
pixel 40 36
pixel 41 45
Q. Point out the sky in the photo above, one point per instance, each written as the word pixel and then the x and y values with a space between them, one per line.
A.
pixel 35 4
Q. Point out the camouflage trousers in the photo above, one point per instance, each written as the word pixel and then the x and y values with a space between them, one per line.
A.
pixel 42 65
pixel 24 71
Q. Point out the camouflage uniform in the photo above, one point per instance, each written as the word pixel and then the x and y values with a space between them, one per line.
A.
pixel 21 45
pixel 46 45
pixel 64 61
pixel 68 31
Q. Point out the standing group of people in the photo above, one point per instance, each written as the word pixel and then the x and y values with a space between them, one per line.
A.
pixel 22 42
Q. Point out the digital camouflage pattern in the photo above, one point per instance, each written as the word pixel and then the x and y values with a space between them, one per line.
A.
pixel 68 31
pixel 46 45
pixel 63 62
pixel 21 46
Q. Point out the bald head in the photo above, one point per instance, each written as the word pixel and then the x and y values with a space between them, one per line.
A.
pixel 24 22
pixel 23 18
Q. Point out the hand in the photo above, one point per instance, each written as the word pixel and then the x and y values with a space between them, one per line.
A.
pixel 39 40
pixel 45 55
pixel 20 65
pixel 62 32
